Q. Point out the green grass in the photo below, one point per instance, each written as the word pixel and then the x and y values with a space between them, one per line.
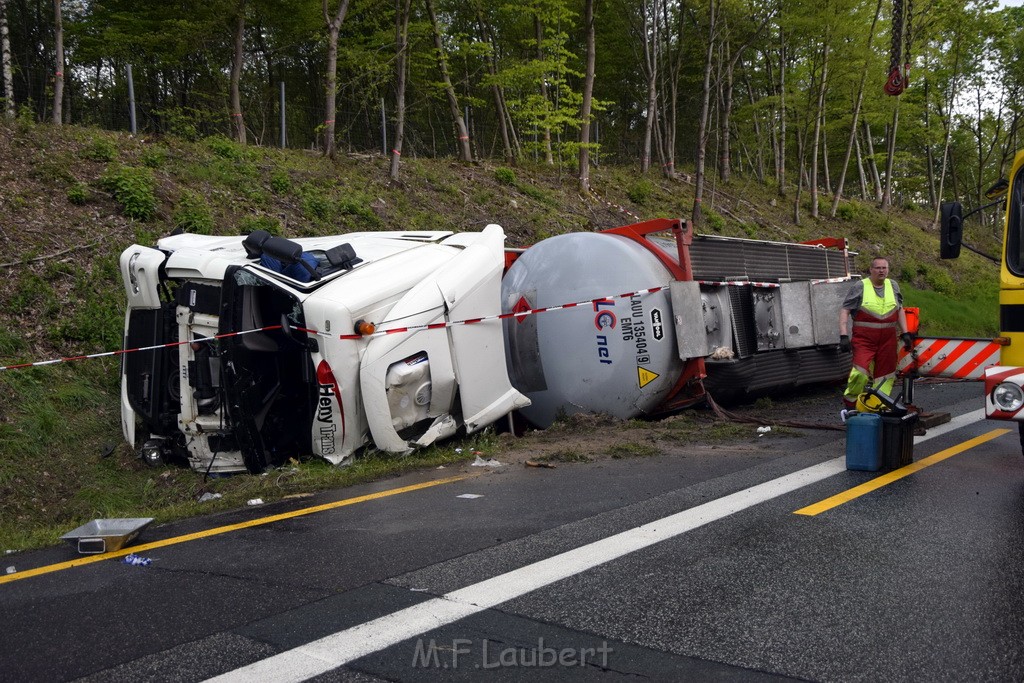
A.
pixel 60 422
pixel 973 314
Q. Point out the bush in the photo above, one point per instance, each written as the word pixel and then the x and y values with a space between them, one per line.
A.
pixel 225 148
pixel 280 182
pixel 100 149
pixel 714 220
pixel 641 192
pixel 133 189
pixel 846 211
pixel 193 214
pixel 250 223
pixel 505 175
pixel 78 194
pixel 154 157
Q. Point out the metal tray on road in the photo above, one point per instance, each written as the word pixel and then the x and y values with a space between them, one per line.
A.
pixel 106 535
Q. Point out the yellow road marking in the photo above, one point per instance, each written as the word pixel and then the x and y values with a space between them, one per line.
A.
pixel 888 478
pixel 7 578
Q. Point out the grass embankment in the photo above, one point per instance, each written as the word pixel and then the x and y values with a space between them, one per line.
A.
pixel 74 198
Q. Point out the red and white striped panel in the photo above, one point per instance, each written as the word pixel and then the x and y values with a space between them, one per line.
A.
pixel 994 377
pixel 946 357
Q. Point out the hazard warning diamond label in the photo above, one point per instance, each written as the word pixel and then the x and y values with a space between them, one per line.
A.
pixel 645 376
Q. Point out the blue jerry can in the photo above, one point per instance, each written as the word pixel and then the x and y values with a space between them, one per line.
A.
pixel 864 442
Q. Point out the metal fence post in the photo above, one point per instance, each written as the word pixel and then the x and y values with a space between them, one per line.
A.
pixel 131 101
pixel 284 137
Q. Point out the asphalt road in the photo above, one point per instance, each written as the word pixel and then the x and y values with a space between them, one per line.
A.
pixel 665 568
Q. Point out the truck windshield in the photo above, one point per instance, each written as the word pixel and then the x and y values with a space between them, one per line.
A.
pixel 1015 226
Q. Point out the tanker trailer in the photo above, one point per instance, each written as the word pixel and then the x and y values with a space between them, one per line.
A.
pixel 658 316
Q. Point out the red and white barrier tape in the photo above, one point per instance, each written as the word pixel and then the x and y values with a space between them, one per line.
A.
pixel 378 333
pixel 394 330
pixel 119 352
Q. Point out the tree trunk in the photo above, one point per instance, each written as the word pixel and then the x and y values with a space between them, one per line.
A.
pixel 500 110
pixel 856 114
pixel 756 120
pixel 725 85
pixel 702 121
pixel 465 154
pixel 782 117
pixel 872 163
pixel 860 170
pixel 818 116
pixel 538 29
pixel 58 80
pixel 890 149
pixel 5 51
pixel 588 93
pixel 650 64
pixel 238 124
pixel 933 199
pixel 403 8
pixel 333 28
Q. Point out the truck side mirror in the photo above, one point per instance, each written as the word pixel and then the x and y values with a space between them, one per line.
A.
pixel 951 229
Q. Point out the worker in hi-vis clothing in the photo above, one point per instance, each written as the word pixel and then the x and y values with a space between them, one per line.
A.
pixel 874 305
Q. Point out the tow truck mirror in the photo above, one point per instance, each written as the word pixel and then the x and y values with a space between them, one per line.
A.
pixel 951 229
pixel 998 189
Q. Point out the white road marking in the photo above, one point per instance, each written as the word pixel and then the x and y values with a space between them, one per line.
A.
pixel 330 652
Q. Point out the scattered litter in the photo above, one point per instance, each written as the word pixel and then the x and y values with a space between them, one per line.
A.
pixel 10 552
pixel 11 569
pixel 535 463
pixel 470 495
pixel 761 431
pixel 208 497
pixel 254 501
pixel 478 452
pixel 419 590
pixel 440 467
pixel 298 495
pixel 137 560
pixel 458 450
pixel 480 462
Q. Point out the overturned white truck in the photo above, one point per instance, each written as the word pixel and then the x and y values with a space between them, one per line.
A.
pixel 244 352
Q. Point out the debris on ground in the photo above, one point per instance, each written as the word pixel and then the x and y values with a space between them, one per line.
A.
pixel 206 497
pixel 137 560
pixel 254 501
pixel 761 431
pixel 535 463
pixel 480 462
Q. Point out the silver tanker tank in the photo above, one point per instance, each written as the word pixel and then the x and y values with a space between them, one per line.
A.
pixel 615 354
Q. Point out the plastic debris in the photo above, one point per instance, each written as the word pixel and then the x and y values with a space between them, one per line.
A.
pixel 11 569
pixel 254 501
pixel 458 450
pixel 480 462
pixel 137 560
pixel 535 463
pixel 208 497
pixel 761 431
pixel 470 495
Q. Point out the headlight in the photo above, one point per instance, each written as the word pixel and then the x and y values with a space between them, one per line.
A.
pixel 133 277
pixel 1008 396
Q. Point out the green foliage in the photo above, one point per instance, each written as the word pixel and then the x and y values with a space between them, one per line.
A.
pixel 280 182
pixel 846 211
pixel 316 205
pixel 78 194
pixel 100 149
pixel 713 219
pixel 631 450
pixel 641 191
pixel 225 148
pixel 133 189
pixel 505 175
pixel 154 157
pixel 250 223
pixel 973 313
pixel 193 214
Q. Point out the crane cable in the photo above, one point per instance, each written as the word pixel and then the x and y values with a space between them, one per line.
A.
pixel 901 36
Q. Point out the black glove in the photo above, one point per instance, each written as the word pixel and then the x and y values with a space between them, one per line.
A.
pixel 844 342
pixel 908 340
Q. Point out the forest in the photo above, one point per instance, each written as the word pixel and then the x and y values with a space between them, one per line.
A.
pixel 897 102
